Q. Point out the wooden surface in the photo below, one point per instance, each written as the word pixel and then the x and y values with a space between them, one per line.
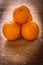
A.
pixel 21 52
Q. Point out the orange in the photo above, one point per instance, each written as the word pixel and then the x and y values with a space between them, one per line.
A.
pixel 22 14
pixel 30 30
pixel 11 31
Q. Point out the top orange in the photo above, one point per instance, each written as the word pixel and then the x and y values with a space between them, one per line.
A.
pixel 22 14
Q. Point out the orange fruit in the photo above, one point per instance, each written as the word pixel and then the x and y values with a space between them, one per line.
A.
pixel 11 31
pixel 22 14
pixel 30 30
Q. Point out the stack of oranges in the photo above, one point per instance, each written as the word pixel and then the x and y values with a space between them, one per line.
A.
pixel 22 22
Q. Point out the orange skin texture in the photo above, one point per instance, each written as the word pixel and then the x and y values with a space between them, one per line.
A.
pixel 22 14
pixel 11 31
pixel 30 31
